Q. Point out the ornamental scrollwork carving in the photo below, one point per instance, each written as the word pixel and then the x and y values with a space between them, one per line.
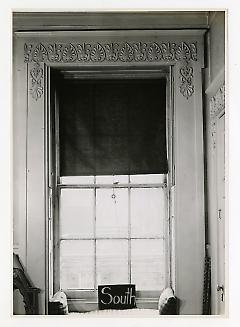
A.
pixel 154 52
pixel 140 51
pixel 217 102
pixel 112 52
pixel 217 105
pixel 40 53
pixel 36 74
pixel 126 51
pixel 98 53
pixel 186 76
pixel 83 51
pixel 69 53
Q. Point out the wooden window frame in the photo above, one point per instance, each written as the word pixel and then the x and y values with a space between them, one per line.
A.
pixel 144 298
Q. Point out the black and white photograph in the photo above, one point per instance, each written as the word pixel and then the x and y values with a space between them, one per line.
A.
pixel 119 163
pixel 119 156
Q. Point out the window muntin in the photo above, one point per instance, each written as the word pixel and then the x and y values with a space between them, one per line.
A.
pixel 118 221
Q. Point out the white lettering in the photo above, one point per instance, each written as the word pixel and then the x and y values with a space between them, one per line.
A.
pixel 131 297
pixel 125 299
pixel 116 299
pixel 106 294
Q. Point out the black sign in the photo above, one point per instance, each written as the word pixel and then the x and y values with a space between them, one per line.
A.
pixel 118 297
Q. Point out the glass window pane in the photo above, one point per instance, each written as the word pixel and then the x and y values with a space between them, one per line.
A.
pixel 79 180
pixel 77 213
pixel 112 261
pixel 148 264
pixel 147 179
pixel 113 179
pixel 77 264
pixel 112 213
pixel 148 212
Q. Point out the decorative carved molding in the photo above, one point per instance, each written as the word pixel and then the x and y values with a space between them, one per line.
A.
pixel 217 102
pixel 111 52
pixel 186 75
pixel 36 74
pixel 97 52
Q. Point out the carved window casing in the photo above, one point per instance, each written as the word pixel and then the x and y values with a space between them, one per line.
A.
pixel 112 52
pixel 217 106
pixel 136 50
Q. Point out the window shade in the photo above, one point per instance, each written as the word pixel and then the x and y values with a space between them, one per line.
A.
pixel 112 127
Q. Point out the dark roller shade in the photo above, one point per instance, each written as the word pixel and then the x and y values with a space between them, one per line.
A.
pixel 112 127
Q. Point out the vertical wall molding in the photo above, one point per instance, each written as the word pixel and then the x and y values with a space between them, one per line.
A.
pixel 36 188
pixel 216 108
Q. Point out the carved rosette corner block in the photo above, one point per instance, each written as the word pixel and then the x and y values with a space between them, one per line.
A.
pixel 112 52
pixel 36 76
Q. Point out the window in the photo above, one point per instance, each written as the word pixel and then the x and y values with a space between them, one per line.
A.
pixel 113 233
pixel 112 175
